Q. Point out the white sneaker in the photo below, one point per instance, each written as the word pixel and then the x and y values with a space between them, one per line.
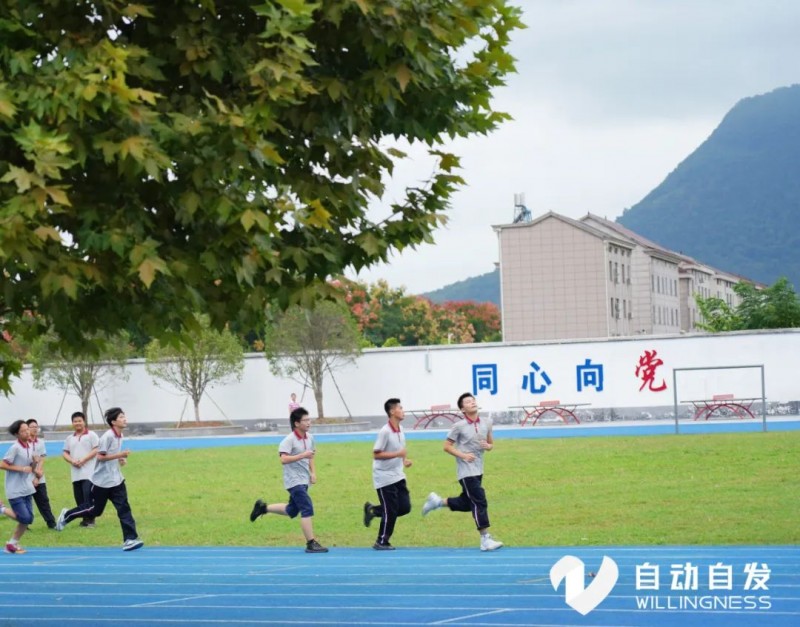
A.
pixel 434 501
pixel 61 523
pixel 488 543
pixel 132 545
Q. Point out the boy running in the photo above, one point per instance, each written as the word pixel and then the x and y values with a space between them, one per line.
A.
pixel 20 465
pixel 40 497
pixel 388 460
pixel 297 456
pixel 80 451
pixel 108 483
pixel 467 441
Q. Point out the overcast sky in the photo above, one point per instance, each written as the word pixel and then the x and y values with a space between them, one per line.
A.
pixel 610 96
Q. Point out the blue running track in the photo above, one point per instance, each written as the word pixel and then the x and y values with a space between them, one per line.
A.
pixel 260 586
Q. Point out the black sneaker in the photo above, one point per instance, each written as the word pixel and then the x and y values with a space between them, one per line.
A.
pixel 368 515
pixel 378 546
pixel 312 546
pixel 259 509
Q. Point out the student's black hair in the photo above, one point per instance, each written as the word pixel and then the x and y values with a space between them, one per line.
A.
pixel 112 414
pixel 296 416
pixel 77 414
pixel 462 397
pixel 30 421
pixel 13 428
pixel 389 405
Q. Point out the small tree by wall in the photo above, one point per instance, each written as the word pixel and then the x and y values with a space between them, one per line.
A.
pixel 773 307
pixel 304 344
pixel 52 364
pixel 205 357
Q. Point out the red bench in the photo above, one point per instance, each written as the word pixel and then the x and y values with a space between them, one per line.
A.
pixel 426 416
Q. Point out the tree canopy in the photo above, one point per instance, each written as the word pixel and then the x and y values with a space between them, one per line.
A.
pixel 163 158
pixel 204 358
pixel 82 374
pixel 388 316
pixel 309 344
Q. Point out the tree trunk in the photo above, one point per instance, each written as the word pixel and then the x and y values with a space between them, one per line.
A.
pixel 86 397
pixel 318 398
pixel 196 402
pixel 316 384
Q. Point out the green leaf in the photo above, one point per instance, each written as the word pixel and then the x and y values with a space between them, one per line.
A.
pixel 248 219
pixel 58 195
pixel 298 7
pixel 47 232
pixel 148 268
pixel 133 10
pixel 403 75
pixel 370 243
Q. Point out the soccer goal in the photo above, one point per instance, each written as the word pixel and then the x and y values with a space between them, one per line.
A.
pixel 719 391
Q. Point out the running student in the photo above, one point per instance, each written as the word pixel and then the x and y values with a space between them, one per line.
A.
pixel 388 461
pixel 297 456
pixel 80 452
pixel 40 497
pixel 20 465
pixel 468 439
pixel 108 483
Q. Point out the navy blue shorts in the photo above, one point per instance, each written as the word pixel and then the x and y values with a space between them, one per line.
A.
pixel 23 508
pixel 299 502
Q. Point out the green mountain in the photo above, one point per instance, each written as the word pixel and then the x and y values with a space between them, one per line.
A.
pixel 734 203
pixel 481 289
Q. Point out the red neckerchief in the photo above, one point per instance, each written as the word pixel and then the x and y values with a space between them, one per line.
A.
pixel 302 438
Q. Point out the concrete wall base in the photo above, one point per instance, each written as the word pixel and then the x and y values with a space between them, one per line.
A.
pixel 193 432
pixel 341 427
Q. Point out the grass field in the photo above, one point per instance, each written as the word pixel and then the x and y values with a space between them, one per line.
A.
pixel 700 489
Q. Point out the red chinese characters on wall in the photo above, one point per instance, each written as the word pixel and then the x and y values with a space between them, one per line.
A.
pixel 646 371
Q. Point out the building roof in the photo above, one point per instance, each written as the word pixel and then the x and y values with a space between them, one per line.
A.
pixel 621 241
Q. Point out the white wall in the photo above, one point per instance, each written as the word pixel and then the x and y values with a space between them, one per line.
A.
pixel 437 375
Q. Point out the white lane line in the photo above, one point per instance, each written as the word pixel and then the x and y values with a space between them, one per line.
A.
pixel 198 596
pixel 460 618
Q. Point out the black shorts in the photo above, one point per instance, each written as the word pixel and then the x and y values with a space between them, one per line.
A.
pixel 299 502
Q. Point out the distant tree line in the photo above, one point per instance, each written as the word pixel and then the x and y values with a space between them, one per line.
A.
pixel 773 307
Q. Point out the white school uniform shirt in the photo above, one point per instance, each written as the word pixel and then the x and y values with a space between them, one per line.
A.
pixel 78 447
pixel 107 473
pixel 388 471
pixel 298 472
pixel 19 483
pixel 466 436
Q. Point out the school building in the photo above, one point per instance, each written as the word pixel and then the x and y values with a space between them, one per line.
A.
pixel 591 278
